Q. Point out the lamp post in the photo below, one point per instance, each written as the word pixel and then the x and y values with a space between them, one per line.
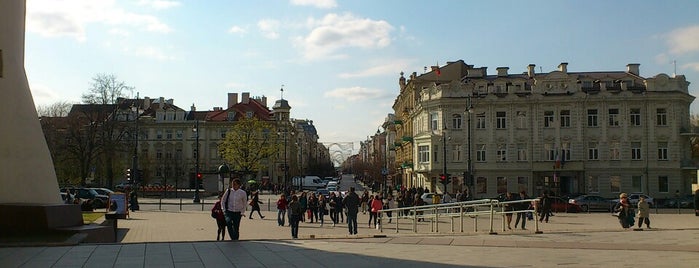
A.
pixel 285 168
pixel 134 165
pixel 468 161
pixel 223 170
pixel 444 149
pixel 196 161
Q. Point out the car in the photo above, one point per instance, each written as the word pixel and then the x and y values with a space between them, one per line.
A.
pixel 332 188
pixel 427 198
pixel 592 202
pixel 324 192
pixel 686 201
pixel 331 183
pixel 103 191
pixel 121 187
pixel 97 200
pixel 633 199
pixel 561 205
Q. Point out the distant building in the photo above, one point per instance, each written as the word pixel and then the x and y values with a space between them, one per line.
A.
pixel 565 132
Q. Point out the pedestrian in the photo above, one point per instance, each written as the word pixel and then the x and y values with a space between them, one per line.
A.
pixel 376 206
pixel 389 204
pixel 365 200
pixel 281 209
pixel 233 206
pixel 371 215
pixel 643 212
pixel 333 214
pixel 417 201
pixel 509 209
pixel 352 203
pixel 623 210
pixel 322 209
pixel 447 198
pixel 217 213
pixel 339 214
pixel 696 203
pixel 303 201
pixel 255 204
pixel 545 207
pixel 313 208
pixel 296 212
pixel 522 206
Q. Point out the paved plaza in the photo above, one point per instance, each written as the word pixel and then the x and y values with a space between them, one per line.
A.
pixel 186 238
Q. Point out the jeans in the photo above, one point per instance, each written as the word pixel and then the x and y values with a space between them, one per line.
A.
pixel 523 216
pixel 295 225
pixel 280 217
pixel 352 222
pixel 233 224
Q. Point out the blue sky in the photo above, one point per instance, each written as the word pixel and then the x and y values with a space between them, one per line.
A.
pixel 339 61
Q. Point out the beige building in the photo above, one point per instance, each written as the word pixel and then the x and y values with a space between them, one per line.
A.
pixel 565 132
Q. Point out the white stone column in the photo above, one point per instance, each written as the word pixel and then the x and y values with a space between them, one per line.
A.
pixel 27 174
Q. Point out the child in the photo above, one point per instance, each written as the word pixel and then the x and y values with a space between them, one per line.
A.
pixel 643 212
pixel 217 213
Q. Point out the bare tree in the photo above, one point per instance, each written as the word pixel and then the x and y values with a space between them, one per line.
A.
pixel 105 89
pixel 56 109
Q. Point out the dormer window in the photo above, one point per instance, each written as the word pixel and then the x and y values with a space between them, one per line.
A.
pixel 248 114
pixel 231 116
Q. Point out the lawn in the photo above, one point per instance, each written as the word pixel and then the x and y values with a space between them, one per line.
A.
pixel 90 217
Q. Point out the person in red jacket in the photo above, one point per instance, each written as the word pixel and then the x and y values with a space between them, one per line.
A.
pixel 281 209
pixel 217 213
pixel 375 205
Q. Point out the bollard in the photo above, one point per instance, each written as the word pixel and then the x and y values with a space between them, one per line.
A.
pixel 180 204
pixel 461 216
pixel 160 204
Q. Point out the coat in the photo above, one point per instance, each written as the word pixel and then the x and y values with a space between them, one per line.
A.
pixel 643 209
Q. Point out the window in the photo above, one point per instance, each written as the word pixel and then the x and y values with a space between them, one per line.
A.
pixel 592 117
pixel 501 118
pixel 501 152
pixel 480 152
pixel 480 121
pixel 481 185
pixel 613 117
pixel 615 184
pixel 635 151
pixel 434 122
pixel 168 134
pixel 636 183
pixel 565 151
pixel 521 119
pixel 249 114
pixel 548 118
pixel 178 154
pixel 178 134
pixel 661 115
pixel 521 152
pixel 502 185
pixel 423 152
pixel 435 154
pixel 456 153
pixel 614 153
pixel 231 116
pixel 158 154
pixel 159 134
pixel 662 151
pixel 635 116
pixel 592 151
pixel 168 155
pixel 222 133
pixel 565 118
pixel 592 184
pixel 663 184
pixel 550 150
pixel 456 121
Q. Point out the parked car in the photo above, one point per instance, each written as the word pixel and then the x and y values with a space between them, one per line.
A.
pixel 686 201
pixel 90 195
pixel 560 205
pixel 633 199
pixel 103 191
pixel 324 192
pixel 592 202
pixel 427 198
pixel 332 188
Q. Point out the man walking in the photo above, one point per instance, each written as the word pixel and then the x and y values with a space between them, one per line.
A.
pixel 352 202
pixel 235 201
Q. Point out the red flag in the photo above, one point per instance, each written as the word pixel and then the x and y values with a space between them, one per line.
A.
pixel 438 71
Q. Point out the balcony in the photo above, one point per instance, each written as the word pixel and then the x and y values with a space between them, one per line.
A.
pixel 406 165
pixel 689 131
pixel 398 122
pixel 407 139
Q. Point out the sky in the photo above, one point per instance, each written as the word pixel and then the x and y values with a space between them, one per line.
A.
pixel 339 61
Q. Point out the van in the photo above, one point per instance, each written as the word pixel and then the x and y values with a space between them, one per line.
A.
pixel 308 182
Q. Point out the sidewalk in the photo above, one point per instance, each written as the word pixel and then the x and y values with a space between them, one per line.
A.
pixel 571 240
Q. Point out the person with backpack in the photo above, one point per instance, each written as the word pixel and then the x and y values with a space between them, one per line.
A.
pixel 217 213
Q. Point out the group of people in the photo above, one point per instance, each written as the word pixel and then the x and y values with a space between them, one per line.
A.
pixel 626 213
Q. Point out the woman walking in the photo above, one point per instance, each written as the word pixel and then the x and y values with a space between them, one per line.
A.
pixel 303 201
pixel 255 203
pixel 322 209
pixel 281 209
pixel 217 213
pixel 376 206
pixel 296 214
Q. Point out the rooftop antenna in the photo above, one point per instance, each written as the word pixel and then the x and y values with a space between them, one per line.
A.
pixel 282 91
pixel 674 72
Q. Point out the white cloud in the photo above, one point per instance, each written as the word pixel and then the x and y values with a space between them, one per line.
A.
pixel 354 93
pixel 57 18
pixel 684 40
pixel 269 28
pixel 692 65
pixel 392 67
pixel 43 94
pixel 159 4
pixel 237 30
pixel 120 32
pixel 335 32
pixel 315 3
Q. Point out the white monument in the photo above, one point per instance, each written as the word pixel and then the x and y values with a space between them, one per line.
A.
pixel 27 174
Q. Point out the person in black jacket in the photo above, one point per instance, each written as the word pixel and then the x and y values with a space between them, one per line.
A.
pixel 521 207
pixel 255 203
pixel 352 202
pixel 545 207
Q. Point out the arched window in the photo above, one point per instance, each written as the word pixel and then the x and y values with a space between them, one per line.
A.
pixel 456 121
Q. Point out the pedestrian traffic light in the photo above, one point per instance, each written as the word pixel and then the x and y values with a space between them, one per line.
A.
pixel 442 178
pixel 199 176
pixel 128 174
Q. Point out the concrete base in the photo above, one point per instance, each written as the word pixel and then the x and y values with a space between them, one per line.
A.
pixel 33 218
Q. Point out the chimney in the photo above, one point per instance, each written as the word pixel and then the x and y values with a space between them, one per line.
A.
pixel 502 71
pixel 530 70
pixel 161 103
pixel 146 103
pixel 264 101
pixel 246 98
pixel 171 101
pixel 563 67
pixel 632 68
pixel 232 99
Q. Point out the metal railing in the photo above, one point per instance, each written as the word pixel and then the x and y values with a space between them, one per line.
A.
pixel 474 210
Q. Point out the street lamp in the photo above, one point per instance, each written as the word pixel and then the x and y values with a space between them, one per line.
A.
pixel 135 175
pixel 444 148
pixel 468 162
pixel 196 161
pixel 285 133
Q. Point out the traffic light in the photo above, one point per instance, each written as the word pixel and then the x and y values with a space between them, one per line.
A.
pixel 199 176
pixel 448 179
pixel 128 174
pixel 442 178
